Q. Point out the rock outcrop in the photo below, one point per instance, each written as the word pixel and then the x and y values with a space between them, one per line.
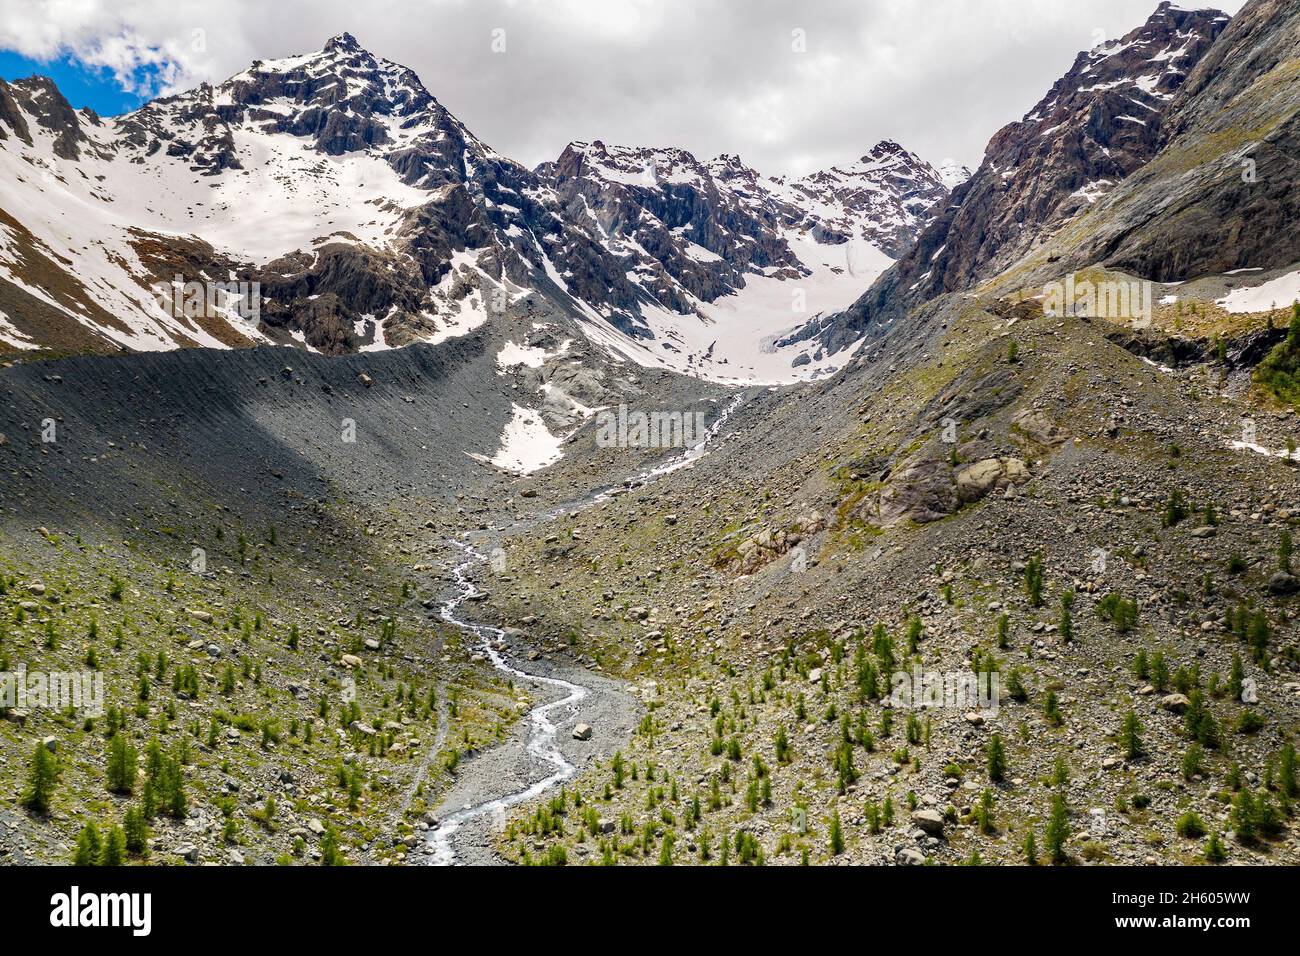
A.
pixel 1097 125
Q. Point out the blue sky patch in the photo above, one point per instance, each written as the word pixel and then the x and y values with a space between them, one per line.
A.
pixel 83 85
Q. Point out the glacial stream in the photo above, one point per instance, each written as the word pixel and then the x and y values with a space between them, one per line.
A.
pixel 541 741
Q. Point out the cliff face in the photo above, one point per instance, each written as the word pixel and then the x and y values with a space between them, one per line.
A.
pixel 1222 192
pixel 1097 125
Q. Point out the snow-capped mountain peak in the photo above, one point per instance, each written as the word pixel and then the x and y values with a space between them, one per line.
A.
pixel 882 198
pixel 952 173
pixel 368 216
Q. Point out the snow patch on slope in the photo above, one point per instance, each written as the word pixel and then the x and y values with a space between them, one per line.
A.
pixel 732 340
pixel 1277 293
pixel 292 197
pixel 527 445
pixel 512 355
pixel 9 335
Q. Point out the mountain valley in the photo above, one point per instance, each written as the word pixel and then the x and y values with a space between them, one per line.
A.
pixel 375 568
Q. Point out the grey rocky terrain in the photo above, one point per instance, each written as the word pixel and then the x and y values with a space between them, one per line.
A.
pixel 346 610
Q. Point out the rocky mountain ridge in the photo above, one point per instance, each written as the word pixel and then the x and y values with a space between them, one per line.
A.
pixel 1098 124
pixel 383 221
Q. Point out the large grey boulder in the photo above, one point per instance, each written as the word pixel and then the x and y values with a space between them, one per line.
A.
pixel 1282 583
pixel 976 481
pixel 922 492
pixel 931 821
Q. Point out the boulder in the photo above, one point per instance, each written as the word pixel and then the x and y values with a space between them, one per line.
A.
pixel 1036 426
pixel 809 522
pixel 977 480
pixel 931 821
pixel 582 732
pixel 922 492
pixel 1282 583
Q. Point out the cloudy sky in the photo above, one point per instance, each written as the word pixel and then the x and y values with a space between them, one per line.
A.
pixel 789 86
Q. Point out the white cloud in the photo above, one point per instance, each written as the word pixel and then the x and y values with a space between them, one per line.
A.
pixel 713 76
